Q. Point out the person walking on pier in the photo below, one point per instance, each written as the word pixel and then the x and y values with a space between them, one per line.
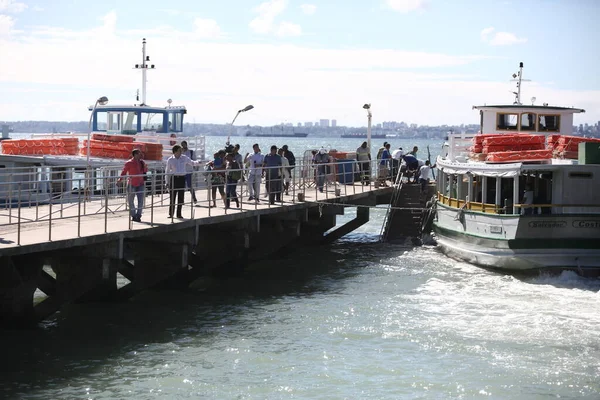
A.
pixel 136 169
pixel 384 168
pixel 291 159
pixel 363 156
pixel 234 174
pixel 176 171
pixel 321 159
pixel 188 177
pixel 425 175
pixel 254 162
pixel 217 179
pixel 285 170
pixel 273 164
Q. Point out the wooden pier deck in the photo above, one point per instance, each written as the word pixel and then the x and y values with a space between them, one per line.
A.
pixel 48 226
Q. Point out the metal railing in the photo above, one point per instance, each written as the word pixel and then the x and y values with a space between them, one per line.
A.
pixel 37 197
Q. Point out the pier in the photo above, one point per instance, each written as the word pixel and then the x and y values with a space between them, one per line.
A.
pixel 73 251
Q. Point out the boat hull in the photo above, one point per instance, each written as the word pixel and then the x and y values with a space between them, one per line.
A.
pixel 520 243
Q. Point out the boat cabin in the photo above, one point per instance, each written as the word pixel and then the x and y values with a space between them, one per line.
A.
pixel 527 119
pixel 137 119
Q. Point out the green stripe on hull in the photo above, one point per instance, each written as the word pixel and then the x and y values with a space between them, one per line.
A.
pixel 520 243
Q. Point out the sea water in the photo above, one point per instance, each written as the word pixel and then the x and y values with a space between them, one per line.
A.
pixel 357 319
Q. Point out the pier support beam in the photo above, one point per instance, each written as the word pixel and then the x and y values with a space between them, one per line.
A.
pixel 362 217
pixel 18 282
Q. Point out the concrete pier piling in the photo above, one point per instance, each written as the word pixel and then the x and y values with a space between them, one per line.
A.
pixel 87 253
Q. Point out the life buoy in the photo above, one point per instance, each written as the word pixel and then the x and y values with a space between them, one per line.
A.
pixel 173 142
pixel 514 140
pixel 56 146
pixel 519 156
pixel 113 138
pixel 508 147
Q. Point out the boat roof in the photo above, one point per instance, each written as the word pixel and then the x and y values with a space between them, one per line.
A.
pixel 521 107
pixel 135 107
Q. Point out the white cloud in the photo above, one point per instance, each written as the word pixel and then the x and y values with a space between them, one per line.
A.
pixel 172 12
pixel 288 29
pixel 485 33
pixel 264 23
pixel 308 9
pixel 500 38
pixel 12 6
pixel 6 25
pixel 109 22
pixel 405 6
pixel 207 28
pixel 213 79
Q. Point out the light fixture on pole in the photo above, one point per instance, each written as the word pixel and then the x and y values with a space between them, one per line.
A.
pixel 369 115
pixel 102 101
pixel 247 108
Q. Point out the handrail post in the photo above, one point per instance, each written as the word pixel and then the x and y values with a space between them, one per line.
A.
pixel 105 206
pixel 79 209
pixel 50 220
pixel 10 199
pixel 152 192
pixel 19 218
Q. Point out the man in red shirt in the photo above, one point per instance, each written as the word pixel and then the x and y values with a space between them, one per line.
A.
pixel 136 169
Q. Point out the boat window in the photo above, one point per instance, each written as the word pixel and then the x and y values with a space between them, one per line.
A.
pixel 175 122
pixel 152 121
pixel 101 120
pixel 549 123
pixel 581 175
pixel 507 121
pixel 528 122
pixel 114 121
pixel 130 123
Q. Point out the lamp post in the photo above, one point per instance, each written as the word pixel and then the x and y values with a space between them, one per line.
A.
pixel 369 115
pixel 247 108
pixel 102 101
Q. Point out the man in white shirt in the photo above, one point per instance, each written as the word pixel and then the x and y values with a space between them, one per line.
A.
pixel 396 161
pixel 528 200
pixel 176 171
pixel 254 163
pixel 425 175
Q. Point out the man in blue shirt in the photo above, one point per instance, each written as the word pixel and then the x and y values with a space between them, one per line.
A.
pixel 384 168
pixel 412 166
pixel 273 165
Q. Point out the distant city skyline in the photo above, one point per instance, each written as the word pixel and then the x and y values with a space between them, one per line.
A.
pixel 424 61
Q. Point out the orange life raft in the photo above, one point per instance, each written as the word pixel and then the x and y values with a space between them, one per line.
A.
pixel 519 156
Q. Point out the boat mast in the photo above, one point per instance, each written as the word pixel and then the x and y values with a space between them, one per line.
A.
pixel 143 66
pixel 518 77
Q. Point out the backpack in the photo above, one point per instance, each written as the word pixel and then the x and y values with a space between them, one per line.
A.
pixel 235 175
pixel 290 157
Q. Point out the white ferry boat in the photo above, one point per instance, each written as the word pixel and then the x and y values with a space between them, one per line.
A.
pixel 46 166
pixel 524 194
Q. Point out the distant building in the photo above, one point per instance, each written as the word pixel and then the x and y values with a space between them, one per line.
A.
pixel 334 123
pixel 323 123
pixel 308 124
pixel 299 124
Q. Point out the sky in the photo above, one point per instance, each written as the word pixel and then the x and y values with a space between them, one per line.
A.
pixel 418 61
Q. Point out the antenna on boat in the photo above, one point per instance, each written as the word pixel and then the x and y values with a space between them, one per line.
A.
pixel 518 77
pixel 143 66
